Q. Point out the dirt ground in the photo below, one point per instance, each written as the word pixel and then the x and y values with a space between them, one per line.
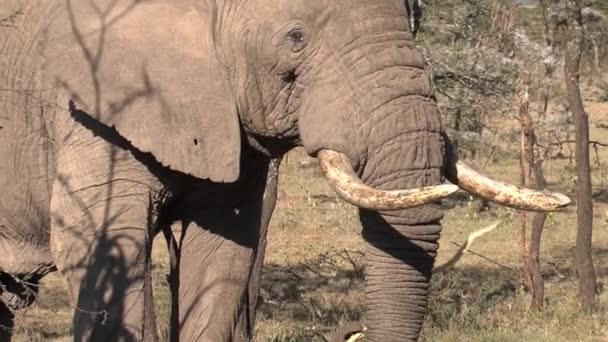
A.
pixel 313 275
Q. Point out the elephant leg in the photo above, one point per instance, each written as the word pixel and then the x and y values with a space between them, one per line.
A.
pixel 213 277
pixel 103 249
pixel 247 319
pixel 101 238
pixel 6 322
pixel 219 252
pixel 16 294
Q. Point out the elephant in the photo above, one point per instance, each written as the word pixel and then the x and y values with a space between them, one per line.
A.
pixel 120 118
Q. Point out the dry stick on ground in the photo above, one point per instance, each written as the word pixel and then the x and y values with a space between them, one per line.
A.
pixel 569 27
pixel 464 248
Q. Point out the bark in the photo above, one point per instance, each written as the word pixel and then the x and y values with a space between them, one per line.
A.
pixel 538 223
pixel 524 116
pixel 531 258
pixel 536 278
pixel 570 27
pixel 457 125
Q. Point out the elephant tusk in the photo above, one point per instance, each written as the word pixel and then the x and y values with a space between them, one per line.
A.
pixel 356 337
pixel 343 180
pixel 504 193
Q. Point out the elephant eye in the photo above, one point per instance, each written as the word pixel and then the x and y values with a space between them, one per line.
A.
pixel 296 39
pixel 288 76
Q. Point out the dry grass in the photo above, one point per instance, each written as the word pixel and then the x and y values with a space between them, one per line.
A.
pixel 313 275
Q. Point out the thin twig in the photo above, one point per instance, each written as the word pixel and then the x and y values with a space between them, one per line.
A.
pixel 465 247
pixel 485 257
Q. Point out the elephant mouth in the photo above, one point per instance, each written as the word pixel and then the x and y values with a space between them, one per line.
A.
pixel 350 188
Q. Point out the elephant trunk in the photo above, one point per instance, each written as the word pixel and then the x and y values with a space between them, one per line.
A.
pixel 390 129
pixel 401 244
pixel 399 260
pixel 384 122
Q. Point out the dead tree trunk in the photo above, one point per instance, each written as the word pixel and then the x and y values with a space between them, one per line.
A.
pixel 538 223
pixel 570 28
pixel 531 259
pixel 523 107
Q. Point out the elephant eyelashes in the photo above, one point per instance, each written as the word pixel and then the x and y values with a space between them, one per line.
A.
pixel 296 39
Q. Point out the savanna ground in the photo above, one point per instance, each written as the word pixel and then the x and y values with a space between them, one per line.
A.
pixel 313 275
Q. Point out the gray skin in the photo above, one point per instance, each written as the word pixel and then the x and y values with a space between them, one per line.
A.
pixel 120 120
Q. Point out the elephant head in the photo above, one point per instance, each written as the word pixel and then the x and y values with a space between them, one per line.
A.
pixel 342 78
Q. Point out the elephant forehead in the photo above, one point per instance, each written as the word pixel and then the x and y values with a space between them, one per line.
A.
pixel 179 28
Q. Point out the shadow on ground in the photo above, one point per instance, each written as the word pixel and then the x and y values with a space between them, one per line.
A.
pixel 320 294
pixel 315 296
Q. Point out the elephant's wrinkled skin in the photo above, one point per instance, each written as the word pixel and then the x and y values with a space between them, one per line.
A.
pixel 121 117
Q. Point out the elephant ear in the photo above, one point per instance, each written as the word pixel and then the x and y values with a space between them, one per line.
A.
pixel 152 71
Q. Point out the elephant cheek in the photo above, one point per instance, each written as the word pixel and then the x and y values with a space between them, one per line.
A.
pixel 327 122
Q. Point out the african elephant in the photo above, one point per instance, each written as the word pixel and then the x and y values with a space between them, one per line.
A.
pixel 122 117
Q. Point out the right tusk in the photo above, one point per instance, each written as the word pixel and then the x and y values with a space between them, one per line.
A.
pixel 343 180
pixel 504 193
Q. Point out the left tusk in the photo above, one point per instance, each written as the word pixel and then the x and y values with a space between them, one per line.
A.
pixel 343 180
pixel 504 193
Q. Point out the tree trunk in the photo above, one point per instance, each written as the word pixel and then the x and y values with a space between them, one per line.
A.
pixel 549 62
pixel 525 274
pixel 536 277
pixel 531 258
pixel 570 27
